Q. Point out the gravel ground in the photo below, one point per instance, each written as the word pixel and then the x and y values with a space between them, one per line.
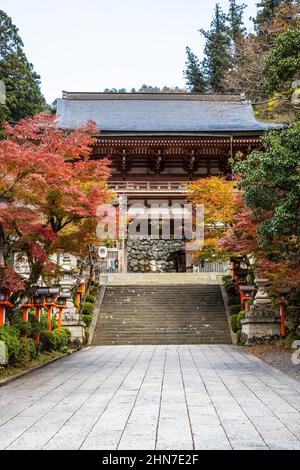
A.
pixel 278 357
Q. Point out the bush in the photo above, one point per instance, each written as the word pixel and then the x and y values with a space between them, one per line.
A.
pixel 88 308
pixel 27 351
pixel 87 319
pixel 241 316
pixel 94 289
pixel 56 340
pixel 24 327
pixel 234 300
pixel 236 321
pixel 234 309
pixel 90 299
pixel 19 350
pixel 231 289
pixel 226 278
pixel 10 336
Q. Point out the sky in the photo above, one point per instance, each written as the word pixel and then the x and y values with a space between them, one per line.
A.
pixel 90 45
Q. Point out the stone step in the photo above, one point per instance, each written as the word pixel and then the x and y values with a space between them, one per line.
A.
pixel 162 314
pixel 135 279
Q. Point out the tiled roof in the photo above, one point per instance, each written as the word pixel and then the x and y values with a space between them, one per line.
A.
pixel 156 112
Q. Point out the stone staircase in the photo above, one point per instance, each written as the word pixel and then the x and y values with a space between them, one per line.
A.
pixel 150 313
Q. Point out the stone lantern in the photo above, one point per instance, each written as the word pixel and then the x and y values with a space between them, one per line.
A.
pixel 261 322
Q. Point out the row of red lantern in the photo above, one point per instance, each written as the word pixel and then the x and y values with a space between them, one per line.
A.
pixel 42 298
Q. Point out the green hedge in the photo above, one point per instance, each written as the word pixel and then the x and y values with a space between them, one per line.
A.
pixel 236 321
pixel 56 340
pixel 87 319
pixel 19 350
pixel 88 308
pixel 231 289
pixel 91 299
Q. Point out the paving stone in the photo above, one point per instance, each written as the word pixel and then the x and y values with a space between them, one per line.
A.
pixel 153 397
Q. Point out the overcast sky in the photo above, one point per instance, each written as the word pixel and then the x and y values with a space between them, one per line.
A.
pixel 89 45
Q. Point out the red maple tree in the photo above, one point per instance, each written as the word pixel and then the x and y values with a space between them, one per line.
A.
pixel 50 189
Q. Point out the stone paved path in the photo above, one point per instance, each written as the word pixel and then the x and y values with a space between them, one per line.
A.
pixel 152 397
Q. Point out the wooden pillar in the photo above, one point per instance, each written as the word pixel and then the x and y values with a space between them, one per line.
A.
pixel 78 299
pixel 49 315
pixel 38 317
pixel 60 312
pixel 2 315
pixel 25 313
pixel 282 317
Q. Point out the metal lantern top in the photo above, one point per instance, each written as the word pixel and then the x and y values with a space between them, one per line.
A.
pixel 241 272
pixel 4 294
pixel 44 295
pixel 284 294
pixel 61 301
pixel 248 291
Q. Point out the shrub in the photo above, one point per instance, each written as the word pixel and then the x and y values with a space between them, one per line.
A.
pixel 234 322
pixel 87 319
pixel 19 350
pixel 233 300
pixel 10 336
pixel 94 289
pixel 241 316
pixel 90 299
pixel 23 327
pixel 234 309
pixel 27 351
pixel 88 308
pixel 56 340
pixel 231 289
pixel 226 278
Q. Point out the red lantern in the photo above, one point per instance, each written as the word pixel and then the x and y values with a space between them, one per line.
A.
pixel 61 304
pixel 247 294
pixel 4 302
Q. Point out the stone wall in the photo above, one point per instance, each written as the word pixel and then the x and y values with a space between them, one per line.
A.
pixel 150 255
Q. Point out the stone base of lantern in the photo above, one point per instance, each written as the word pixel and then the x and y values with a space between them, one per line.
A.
pixel 260 330
pixel 77 330
pixel 262 324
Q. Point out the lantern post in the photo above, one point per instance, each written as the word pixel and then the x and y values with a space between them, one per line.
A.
pixel 38 301
pixel 246 294
pixel 61 304
pixel 50 294
pixel 283 296
pixel 4 302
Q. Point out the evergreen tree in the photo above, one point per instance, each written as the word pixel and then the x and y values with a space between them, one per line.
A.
pixel 217 59
pixel 193 74
pixel 23 94
pixel 266 13
pixel 237 29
